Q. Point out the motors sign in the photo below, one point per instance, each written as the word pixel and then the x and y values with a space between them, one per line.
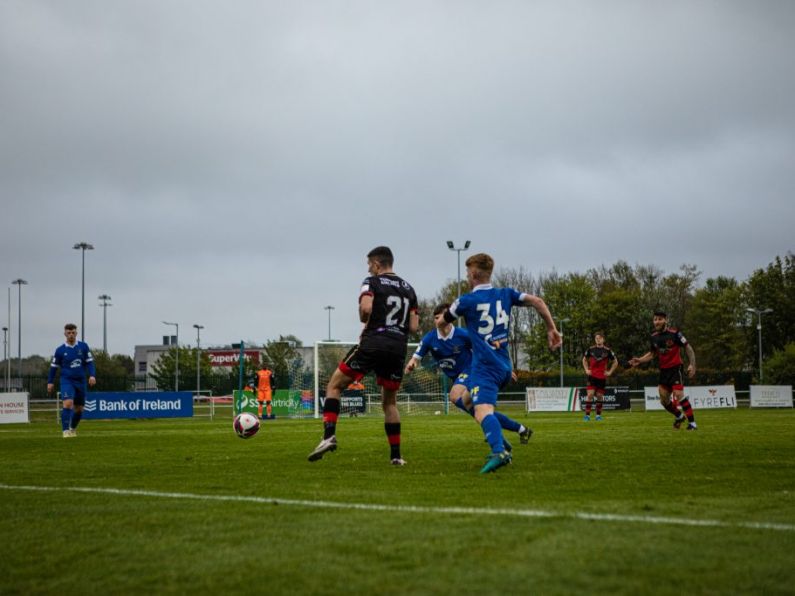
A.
pixel 615 398
pixel 149 404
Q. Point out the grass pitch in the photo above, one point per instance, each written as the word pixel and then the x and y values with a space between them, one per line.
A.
pixel 624 506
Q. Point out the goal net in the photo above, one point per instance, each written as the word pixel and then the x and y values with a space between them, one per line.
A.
pixel 424 391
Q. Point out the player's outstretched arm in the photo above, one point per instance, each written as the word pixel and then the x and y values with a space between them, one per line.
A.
pixel 554 339
pixel 638 360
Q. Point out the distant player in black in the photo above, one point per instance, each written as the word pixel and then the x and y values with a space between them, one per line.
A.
pixel 666 344
pixel 388 309
pixel 595 361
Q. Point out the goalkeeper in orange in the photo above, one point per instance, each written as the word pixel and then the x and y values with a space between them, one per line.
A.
pixel 265 383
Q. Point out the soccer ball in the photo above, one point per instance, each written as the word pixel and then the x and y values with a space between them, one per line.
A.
pixel 246 425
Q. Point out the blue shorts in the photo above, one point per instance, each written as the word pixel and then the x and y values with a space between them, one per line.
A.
pixel 485 383
pixel 74 389
pixel 465 380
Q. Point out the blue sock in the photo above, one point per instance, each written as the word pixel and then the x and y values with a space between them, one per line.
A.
pixel 493 432
pixel 459 403
pixel 66 418
pixel 76 416
pixel 508 423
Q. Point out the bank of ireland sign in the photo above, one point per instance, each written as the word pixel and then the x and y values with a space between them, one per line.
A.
pixel 150 404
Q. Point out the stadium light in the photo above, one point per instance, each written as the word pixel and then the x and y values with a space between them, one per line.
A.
pixel 83 246
pixel 198 356
pixel 329 308
pixel 451 246
pixel 19 282
pixel 176 360
pixel 758 312
pixel 561 321
pixel 105 304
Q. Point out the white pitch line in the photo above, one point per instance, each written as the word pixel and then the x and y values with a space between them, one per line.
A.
pixel 603 517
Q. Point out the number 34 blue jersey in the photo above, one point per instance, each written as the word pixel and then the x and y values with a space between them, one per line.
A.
pixel 487 312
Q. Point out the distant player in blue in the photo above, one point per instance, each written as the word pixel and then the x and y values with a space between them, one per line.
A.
pixel 75 361
pixel 487 313
pixel 451 349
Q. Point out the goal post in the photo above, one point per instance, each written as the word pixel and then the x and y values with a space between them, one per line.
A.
pixel 424 391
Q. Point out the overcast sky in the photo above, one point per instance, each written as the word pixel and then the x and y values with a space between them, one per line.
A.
pixel 233 162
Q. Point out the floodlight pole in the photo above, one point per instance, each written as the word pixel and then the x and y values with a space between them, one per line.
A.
pixel 451 246
pixel 560 325
pixel 198 356
pixel 83 246
pixel 759 312
pixel 5 355
pixel 105 304
pixel 19 282
pixel 176 358
pixel 8 360
pixel 329 308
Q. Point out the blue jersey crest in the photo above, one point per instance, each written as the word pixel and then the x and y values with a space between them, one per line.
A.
pixel 74 361
pixel 453 354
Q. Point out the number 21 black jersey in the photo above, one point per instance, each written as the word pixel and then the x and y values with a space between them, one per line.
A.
pixel 393 301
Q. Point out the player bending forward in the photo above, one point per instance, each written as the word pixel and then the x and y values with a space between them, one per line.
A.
pixel 451 349
pixel 487 313
pixel 665 344
pixel 388 309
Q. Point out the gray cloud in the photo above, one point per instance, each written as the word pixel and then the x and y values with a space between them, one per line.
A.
pixel 233 164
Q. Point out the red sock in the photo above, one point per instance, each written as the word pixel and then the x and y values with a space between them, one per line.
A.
pixel 688 409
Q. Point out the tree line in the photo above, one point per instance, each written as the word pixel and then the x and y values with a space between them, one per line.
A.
pixel 619 301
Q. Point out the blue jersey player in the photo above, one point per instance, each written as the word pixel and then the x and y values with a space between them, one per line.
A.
pixel 487 313
pixel 451 349
pixel 77 367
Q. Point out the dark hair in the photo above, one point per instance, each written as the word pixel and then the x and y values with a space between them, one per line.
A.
pixel 70 327
pixel 661 313
pixel 382 255
pixel 440 308
pixel 602 333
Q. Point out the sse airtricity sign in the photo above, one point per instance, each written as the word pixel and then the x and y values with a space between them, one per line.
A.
pixel 150 404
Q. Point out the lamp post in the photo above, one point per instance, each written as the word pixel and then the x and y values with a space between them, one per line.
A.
pixel 198 356
pixel 83 246
pixel 176 358
pixel 5 356
pixel 329 308
pixel 8 359
pixel 451 246
pixel 560 325
pixel 105 304
pixel 759 312
pixel 19 282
